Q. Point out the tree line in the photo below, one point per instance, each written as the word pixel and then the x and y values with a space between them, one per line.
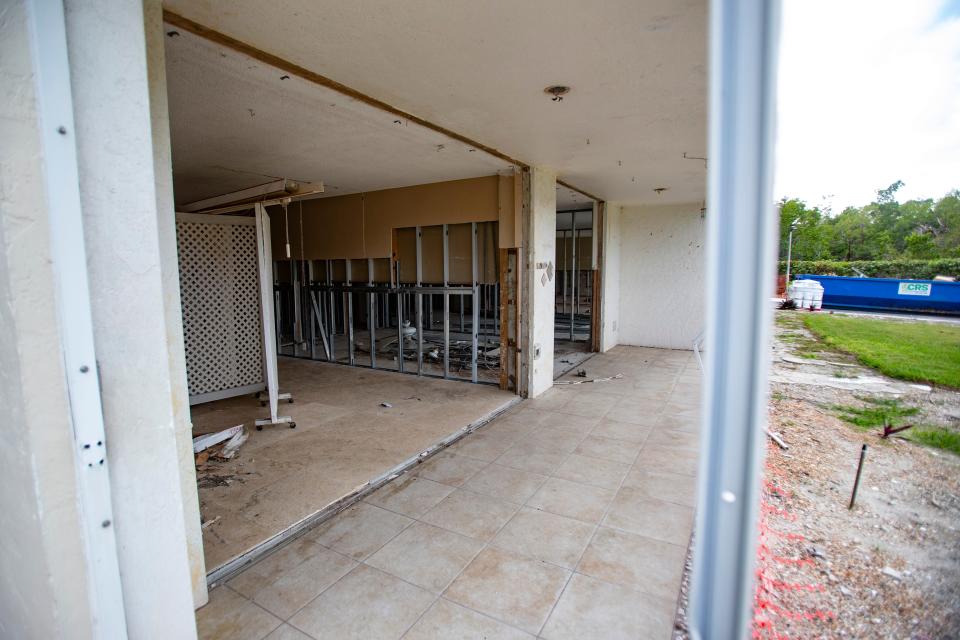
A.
pixel 885 229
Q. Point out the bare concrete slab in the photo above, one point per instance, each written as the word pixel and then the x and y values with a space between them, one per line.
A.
pixel 344 438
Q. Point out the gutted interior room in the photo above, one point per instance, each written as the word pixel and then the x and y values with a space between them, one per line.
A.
pixel 326 246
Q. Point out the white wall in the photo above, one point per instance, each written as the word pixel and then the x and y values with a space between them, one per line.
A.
pixel 662 297
pixel 610 274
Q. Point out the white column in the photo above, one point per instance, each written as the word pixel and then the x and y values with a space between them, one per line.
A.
pixel 44 576
pixel 540 247
pixel 173 315
pixel 130 305
pixel 610 278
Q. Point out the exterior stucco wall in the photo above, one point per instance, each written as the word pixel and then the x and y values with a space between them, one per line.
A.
pixel 43 574
pixel 662 297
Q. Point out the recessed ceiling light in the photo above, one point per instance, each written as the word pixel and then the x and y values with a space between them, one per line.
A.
pixel 557 91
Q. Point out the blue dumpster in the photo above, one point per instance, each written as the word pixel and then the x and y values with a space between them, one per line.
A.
pixel 889 294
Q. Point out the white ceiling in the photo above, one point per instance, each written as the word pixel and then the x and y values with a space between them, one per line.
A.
pixel 637 69
pixel 235 123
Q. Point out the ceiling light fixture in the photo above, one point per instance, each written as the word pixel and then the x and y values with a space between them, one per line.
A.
pixel 557 91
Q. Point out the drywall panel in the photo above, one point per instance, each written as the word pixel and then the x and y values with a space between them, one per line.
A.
pixel 332 228
pixel 472 200
pixel 361 225
pixel 661 275
pixel 508 237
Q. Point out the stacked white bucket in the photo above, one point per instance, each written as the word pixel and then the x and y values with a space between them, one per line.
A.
pixel 806 294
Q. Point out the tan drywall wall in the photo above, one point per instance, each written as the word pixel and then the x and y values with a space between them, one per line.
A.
pixel 361 225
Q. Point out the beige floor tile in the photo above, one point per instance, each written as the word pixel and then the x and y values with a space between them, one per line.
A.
pixel 286 632
pixel 482 446
pixel 230 616
pixel 263 573
pixel 671 487
pixel 427 556
pixel 593 609
pixel 509 587
pixel 526 457
pixel 672 439
pixel 580 423
pixel 505 483
pixel 365 604
pixel 619 430
pixel 609 449
pixel 646 416
pixel 301 584
pixel 409 495
pixel 448 621
pixel 557 440
pixel 572 499
pixel 669 460
pixel 471 514
pixel 360 530
pixel 642 563
pixel 678 422
pixel 509 427
pixel 632 511
pixel 449 468
pixel 588 405
pixel 545 536
pixel 592 471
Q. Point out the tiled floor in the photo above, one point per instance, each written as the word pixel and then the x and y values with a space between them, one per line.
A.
pixel 566 518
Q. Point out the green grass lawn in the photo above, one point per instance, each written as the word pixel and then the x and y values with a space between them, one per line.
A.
pixel 916 351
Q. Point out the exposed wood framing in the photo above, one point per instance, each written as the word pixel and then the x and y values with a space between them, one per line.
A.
pixel 596 313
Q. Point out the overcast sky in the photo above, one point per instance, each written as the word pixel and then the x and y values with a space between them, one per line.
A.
pixel 869 94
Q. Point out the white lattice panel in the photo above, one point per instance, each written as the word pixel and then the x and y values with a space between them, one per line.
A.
pixel 220 295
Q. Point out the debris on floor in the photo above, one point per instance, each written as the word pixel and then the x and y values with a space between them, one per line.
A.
pixel 208 440
pixel 585 381
pixel 387 405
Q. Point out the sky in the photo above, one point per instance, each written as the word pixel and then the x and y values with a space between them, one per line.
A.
pixel 869 93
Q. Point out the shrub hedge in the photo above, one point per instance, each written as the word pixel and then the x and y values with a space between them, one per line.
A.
pixel 907 269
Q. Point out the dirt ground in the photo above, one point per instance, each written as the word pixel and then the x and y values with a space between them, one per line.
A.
pixel 888 568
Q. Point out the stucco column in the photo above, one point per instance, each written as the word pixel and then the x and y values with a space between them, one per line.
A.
pixel 44 575
pixel 610 278
pixel 130 308
pixel 539 302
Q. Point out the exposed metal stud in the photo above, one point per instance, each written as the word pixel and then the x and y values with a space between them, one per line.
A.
pixel 372 316
pixel 348 320
pixel 419 300
pixel 446 301
pixel 332 316
pixel 311 311
pixel 475 306
pixel 574 302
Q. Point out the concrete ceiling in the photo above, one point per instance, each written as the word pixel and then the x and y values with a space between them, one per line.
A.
pixel 637 69
pixel 235 123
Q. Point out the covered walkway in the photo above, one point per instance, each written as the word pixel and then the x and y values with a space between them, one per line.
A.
pixel 567 517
